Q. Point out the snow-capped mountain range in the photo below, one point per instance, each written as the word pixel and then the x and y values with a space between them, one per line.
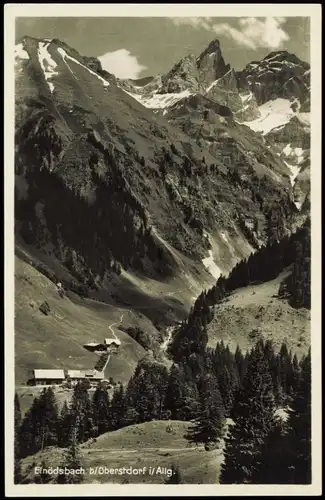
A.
pixel 266 95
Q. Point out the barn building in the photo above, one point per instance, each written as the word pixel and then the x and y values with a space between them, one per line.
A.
pixel 112 345
pixel 74 376
pixel 48 377
pixel 109 345
pixel 94 377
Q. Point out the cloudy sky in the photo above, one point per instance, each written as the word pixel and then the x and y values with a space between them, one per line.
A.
pixel 143 46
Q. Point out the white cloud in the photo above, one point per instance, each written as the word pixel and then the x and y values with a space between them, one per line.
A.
pixel 254 33
pixel 122 64
pixel 251 32
pixel 195 22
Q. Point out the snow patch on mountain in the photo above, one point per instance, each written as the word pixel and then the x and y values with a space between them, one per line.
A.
pixel 20 53
pixel 304 118
pixel 273 114
pixel 160 101
pixel 65 56
pixel 212 85
pixel 47 64
pixel 209 262
pixel 296 153
pixel 294 169
pixel 211 266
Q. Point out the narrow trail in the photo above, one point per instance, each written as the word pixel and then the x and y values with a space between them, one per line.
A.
pixel 115 336
pixel 117 323
pixel 106 363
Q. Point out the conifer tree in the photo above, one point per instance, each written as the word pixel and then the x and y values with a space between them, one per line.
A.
pixel 240 364
pixel 117 407
pixel 81 413
pixel 72 460
pixel 253 413
pixel 65 423
pixel 208 426
pixel 101 413
pixel 227 386
pixel 274 457
pixel 130 417
pixel 295 375
pixel 286 454
pixel 147 389
pixel 300 427
pixel 17 470
pixel 39 427
pixel 47 419
pixel 27 432
pixel 181 394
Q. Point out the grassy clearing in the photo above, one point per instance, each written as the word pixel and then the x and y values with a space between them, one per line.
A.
pixel 56 340
pixel 257 308
pixel 138 446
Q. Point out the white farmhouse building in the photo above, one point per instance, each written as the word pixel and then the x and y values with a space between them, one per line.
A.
pixel 48 377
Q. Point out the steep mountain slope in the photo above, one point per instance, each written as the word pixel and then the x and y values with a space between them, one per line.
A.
pixel 136 193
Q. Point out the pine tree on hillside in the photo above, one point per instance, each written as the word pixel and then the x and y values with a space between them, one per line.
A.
pixel 294 376
pixel 72 460
pixel 285 365
pixel 208 426
pixel 300 426
pixel 27 432
pixel 81 413
pixel 175 392
pixel 176 477
pixel 274 457
pixel 181 398
pixel 48 419
pixel 17 470
pixel 39 427
pixel 65 424
pixel 117 407
pixel 272 360
pixel 147 389
pixel 227 386
pixel 190 338
pixel 253 413
pixel 130 417
pixel 286 455
pixel 101 415
pixel 241 364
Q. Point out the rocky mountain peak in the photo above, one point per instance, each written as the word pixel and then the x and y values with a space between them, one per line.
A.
pixel 211 64
pixel 184 74
pixel 214 46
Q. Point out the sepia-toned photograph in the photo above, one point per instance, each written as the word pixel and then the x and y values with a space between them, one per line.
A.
pixel 162 251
